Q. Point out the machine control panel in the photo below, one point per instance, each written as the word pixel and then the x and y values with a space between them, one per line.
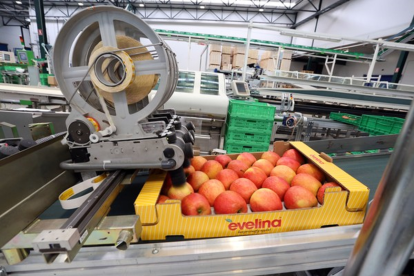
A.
pixel 7 57
pixel 240 88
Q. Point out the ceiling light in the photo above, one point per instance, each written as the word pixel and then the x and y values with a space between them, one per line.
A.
pixel 141 5
pixel 202 7
pixel 80 4
pixel 27 19
pixel 19 2
pixel 260 10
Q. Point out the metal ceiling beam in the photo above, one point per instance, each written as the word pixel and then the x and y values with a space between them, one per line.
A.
pixel 318 13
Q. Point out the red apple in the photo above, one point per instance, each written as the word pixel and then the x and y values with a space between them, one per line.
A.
pixel 195 205
pixel 264 165
pixel 322 189
pixel 227 177
pixel 211 189
pixel 167 184
pixel 270 156
pixel 197 162
pixel 180 192
pixel 238 166
pixel 283 172
pixel 223 160
pixel 298 197
pixel 243 187
pixel 294 154
pixel 247 158
pixel 277 185
pixel 230 202
pixel 196 179
pixel 162 199
pixel 291 163
pixel 312 170
pixel 306 181
pixel 255 175
pixel 265 200
pixel 189 170
pixel 211 168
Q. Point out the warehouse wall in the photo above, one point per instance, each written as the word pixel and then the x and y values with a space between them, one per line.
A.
pixel 364 19
pixel 10 35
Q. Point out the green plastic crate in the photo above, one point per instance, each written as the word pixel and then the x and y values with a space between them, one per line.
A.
pixel 371 131
pixel 345 118
pixel 239 147
pixel 236 134
pixel 253 110
pixel 383 124
pixel 258 124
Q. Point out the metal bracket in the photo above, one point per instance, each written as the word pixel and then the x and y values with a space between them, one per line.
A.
pixel 3 271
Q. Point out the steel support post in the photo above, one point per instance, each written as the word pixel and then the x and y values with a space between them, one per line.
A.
pixel 386 242
pixel 400 67
pixel 41 28
pixel 372 65
pixel 246 52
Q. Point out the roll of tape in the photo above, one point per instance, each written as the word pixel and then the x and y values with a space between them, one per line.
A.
pixel 68 203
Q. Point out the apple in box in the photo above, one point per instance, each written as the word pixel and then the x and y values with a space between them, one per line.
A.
pixel 283 172
pixel 238 167
pixel 211 168
pixel 312 170
pixel 277 185
pixel 246 158
pixel 162 199
pixel 270 156
pixel 294 154
pixel 196 179
pixel 322 189
pixel 189 170
pixel 197 162
pixel 195 205
pixel 264 165
pixel 223 160
pixel 264 200
pixel 243 187
pixel 211 189
pixel 226 177
pixel 291 163
pixel 306 181
pixel 255 175
pixel 298 197
pixel 230 202
pixel 180 192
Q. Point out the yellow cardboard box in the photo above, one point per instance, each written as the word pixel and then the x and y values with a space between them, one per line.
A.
pixel 341 207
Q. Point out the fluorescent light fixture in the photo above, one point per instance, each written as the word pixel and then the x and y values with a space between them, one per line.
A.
pixel 19 2
pixel 202 7
pixel 80 4
pixel 310 36
pixel 260 10
pixel 141 5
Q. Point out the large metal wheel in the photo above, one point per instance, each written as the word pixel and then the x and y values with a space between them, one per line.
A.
pixel 75 46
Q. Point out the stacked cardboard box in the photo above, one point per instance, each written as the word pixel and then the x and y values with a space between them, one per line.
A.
pixel 226 62
pixel 253 56
pixel 215 57
pixel 286 60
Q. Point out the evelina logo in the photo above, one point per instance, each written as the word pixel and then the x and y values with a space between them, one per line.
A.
pixel 256 224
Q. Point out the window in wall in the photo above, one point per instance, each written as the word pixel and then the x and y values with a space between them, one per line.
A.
pixel 209 84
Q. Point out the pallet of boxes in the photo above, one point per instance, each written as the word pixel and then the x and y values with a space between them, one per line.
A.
pixel 239 54
pixel 269 59
pixel 215 57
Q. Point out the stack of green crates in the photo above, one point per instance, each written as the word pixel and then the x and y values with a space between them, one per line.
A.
pixel 249 126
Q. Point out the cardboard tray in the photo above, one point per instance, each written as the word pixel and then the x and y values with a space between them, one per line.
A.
pixel 341 207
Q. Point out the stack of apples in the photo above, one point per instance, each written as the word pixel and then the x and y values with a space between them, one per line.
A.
pixel 246 184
